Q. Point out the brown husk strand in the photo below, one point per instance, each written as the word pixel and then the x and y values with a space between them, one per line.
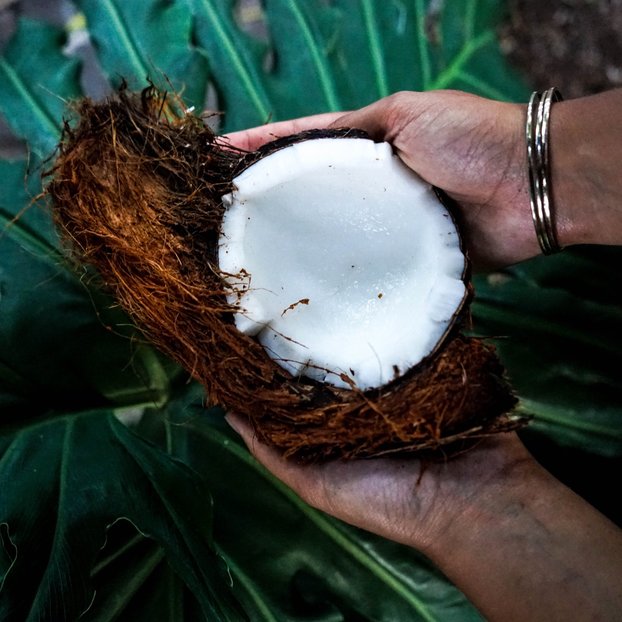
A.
pixel 137 191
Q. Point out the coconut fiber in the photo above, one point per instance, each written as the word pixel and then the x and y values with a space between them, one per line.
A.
pixel 136 191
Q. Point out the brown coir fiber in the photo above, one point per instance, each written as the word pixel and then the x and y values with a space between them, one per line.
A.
pixel 137 191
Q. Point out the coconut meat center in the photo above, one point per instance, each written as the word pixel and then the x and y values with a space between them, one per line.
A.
pixel 342 262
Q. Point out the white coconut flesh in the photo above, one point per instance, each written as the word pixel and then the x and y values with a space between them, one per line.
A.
pixel 341 261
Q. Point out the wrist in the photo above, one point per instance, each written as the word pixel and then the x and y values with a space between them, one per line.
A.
pixel 472 492
pixel 525 547
pixel 586 141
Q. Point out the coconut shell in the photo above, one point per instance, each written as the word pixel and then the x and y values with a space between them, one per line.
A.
pixel 137 189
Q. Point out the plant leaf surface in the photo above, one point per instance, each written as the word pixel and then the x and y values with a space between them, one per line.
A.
pixel 347 53
pixel 145 40
pixel 37 80
pixel 87 473
pixel 556 321
pixel 63 345
pixel 287 559
pixel 88 505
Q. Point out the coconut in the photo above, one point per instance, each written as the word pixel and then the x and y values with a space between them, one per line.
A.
pixel 316 285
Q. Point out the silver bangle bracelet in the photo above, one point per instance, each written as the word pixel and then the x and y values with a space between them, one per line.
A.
pixel 537 138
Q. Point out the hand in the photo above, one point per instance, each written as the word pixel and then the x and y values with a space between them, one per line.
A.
pixel 400 499
pixel 472 148
pixel 515 540
pixel 519 544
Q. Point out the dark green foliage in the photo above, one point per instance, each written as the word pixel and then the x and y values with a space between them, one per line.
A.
pixel 120 523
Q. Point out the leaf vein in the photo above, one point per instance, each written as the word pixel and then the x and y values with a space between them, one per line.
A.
pixel 328 86
pixel 32 103
pixel 373 34
pixel 426 64
pixel 358 553
pixel 450 73
pixel 258 101
pixel 133 51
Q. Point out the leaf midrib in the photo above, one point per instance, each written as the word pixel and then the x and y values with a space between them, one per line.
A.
pixel 236 61
pixel 373 34
pixel 455 68
pixel 43 116
pixel 136 60
pixel 323 72
pixel 28 238
pixel 62 490
pixel 545 413
pixel 426 64
pixel 262 607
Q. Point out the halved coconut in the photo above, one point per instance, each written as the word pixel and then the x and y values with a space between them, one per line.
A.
pixel 343 263
pixel 317 286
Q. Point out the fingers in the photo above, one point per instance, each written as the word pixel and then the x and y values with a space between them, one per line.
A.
pixel 253 138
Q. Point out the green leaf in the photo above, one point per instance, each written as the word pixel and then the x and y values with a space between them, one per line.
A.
pixel 302 33
pixel 86 505
pixel 36 81
pixel 561 347
pixel 86 474
pixel 21 217
pixel 57 353
pixel 235 61
pixel 379 50
pixel 147 39
pixel 376 50
pixel 348 53
pixel 132 581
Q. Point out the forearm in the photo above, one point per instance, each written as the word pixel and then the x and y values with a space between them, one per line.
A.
pixel 533 550
pixel 586 169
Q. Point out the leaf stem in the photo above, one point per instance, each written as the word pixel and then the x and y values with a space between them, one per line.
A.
pixel 453 71
pixel 326 81
pixel 424 56
pixel 373 34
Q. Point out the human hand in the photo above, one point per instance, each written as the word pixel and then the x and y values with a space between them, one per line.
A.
pixel 472 148
pixel 518 543
pixel 404 500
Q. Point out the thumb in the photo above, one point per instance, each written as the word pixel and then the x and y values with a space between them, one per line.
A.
pixel 371 118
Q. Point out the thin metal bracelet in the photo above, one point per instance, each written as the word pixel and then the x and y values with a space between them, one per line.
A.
pixel 538 160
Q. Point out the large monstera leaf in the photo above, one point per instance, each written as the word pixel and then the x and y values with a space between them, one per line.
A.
pixel 121 498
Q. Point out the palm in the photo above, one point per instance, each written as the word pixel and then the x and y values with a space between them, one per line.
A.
pixel 406 500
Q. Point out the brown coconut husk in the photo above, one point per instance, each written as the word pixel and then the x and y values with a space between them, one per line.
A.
pixel 137 191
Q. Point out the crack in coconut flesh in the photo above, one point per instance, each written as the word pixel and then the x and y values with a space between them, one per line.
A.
pixel 316 285
pixel 344 264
